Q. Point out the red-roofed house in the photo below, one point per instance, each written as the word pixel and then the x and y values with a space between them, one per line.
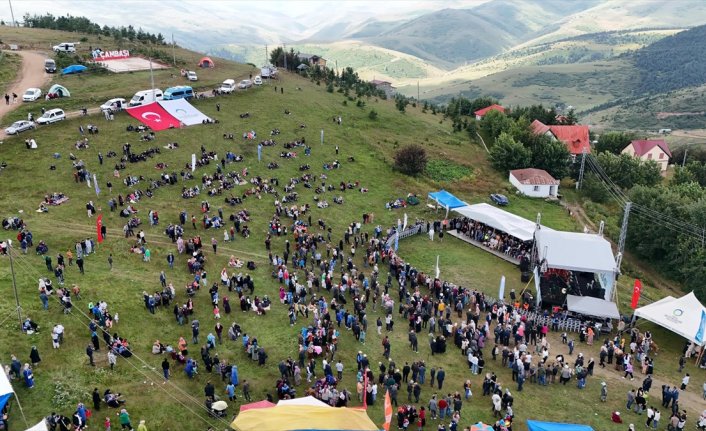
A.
pixel 574 137
pixel 656 150
pixel 536 183
pixel 481 112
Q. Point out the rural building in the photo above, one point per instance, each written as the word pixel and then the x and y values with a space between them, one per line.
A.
pixel 385 86
pixel 312 59
pixel 575 137
pixel 656 150
pixel 536 183
pixel 481 112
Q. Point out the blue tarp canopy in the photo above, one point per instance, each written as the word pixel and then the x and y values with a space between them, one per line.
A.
pixel 74 68
pixel 555 426
pixel 5 388
pixel 446 199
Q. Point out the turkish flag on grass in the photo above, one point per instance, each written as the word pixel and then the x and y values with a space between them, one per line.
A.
pixel 636 292
pixel 154 116
pixel 99 228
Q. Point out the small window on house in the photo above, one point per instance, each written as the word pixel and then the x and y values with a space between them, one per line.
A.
pixel 535 188
pixel 661 155
pixel 649 156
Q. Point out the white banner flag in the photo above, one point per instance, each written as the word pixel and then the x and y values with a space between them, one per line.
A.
pixel 438 271
pixel 193 162
pixel 404 224
pixel 501 293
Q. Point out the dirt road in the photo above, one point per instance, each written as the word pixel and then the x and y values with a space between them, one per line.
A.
pixel 30 75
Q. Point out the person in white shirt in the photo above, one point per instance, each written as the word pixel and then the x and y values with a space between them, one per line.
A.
pixel 684 382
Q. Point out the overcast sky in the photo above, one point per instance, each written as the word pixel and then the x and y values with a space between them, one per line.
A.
pixel 293 19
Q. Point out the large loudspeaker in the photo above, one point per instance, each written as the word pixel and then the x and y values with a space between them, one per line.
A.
pixel 525 277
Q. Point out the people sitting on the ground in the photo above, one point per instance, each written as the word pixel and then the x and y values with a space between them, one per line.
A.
pixel 245 115
pixel 29 326
pixel 55 199
pixel 322 204
pixel 397 203
pixel 338 200
pixel 113 400
pixel 272 165
pixel 42 248
pixel 288 154
pixel 235 262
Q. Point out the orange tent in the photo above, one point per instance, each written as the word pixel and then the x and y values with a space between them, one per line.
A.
pixel 206 62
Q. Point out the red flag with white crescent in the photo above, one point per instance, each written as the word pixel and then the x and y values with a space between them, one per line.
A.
pixel 154 116
pixel 636 292
pixel 388 412
pixel 99 228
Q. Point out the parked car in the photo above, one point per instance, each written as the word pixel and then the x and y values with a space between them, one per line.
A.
pixel 20 126
pixel 31 95
pixel 52 116
pixel 257 80
pixel 114 105
pixel 499 199
pixel 67 47
pixel 49 65
pixel 227 87
pixel 191 76
pixel 245 83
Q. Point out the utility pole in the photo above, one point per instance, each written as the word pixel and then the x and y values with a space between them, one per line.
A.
pixel 418 101
pixel 12 13
pixel 285 55
pixel 623 234
pixel 683 162
pixel 152 80
pixel 583 165
pixel 266 57
pixel 14 283
pixel 174 49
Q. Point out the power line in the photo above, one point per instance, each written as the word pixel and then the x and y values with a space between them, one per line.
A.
pixel 188 396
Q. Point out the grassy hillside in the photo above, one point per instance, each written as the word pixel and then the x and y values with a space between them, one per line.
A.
pixel 9 65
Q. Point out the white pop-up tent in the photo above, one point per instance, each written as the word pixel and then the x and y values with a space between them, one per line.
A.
pixel 6 391
pixel 499 219
pixel 41 426
pixel 683 316
pixel 582 252
pixel 590 306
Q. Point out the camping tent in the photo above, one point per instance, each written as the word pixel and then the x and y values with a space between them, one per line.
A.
pixel 555 426
pixel 59 90
pixel 582 252
pixel 206 62
pixel 499 219
pixel 590 306
pixel 446 200
pixel 680 315
pixel 289 417
pixel 6 390
pixel 74 68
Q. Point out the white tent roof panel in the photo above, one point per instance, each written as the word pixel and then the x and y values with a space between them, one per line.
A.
pixel 499 219
pixel 575 251
pixel 590 306
pixel 680 315
pixel 303 401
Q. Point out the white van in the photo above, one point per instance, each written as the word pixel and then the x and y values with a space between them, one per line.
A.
pixel 64 47
pixel 52 116
pixel 146 96
pixel 228 86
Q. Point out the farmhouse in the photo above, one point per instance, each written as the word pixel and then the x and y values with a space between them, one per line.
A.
pixel 575 137
pixel 536 183
pixel 481 112
pixel 384 86
pixel 312 59
pixel 656 150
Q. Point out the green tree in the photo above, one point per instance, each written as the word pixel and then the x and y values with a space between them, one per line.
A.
pixel 682 175
pixel 593 188
pixel 614 142
pixel 494 123
pixel 553 157
pixel 627 171
pixel 411 160
pixel 508 154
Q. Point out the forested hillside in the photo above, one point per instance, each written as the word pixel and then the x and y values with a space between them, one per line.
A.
pixel 672 63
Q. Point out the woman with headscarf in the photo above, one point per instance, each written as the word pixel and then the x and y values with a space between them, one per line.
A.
pixel 28 376
pixel 34 356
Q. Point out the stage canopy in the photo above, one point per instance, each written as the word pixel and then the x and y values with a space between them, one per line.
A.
pixel 680 315
pixel 590 306
pixel 499 219
pixel 582 252
pixel 6 390
pixel 446 200
pixel 289 417
pixel 555 426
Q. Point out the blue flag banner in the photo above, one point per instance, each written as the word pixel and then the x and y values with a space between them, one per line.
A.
pixel 702 328
pixel 397 240
pixel 95 184
pixel 259 152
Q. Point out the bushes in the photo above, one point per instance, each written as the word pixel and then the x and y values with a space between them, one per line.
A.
pixel 373 115
pixel 444 170
pixel 411 160
pixel 508 154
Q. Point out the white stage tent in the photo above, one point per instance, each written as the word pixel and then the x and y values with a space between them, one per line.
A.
pixel 590 306
pixel 578 252
pixel 684 316
pixel 499 219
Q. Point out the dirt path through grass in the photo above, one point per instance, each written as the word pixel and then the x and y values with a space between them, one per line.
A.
pixel 31 74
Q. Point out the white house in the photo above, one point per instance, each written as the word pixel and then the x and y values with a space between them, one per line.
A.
pixel 536 183
pixel 656 150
